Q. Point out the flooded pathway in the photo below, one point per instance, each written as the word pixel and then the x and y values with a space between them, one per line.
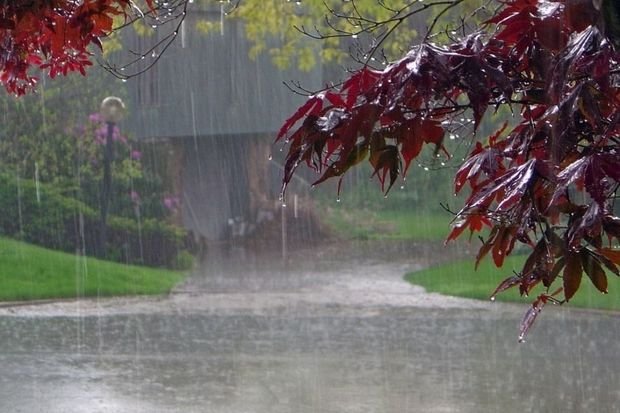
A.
pixel 331 331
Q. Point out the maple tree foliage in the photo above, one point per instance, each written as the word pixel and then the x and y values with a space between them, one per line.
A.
pixel 56 35
pixel 548 182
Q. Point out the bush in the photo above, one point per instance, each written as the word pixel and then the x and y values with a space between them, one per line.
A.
pixel 50 218
pixel 184 261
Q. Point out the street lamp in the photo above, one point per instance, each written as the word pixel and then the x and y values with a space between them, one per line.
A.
pixel 112 110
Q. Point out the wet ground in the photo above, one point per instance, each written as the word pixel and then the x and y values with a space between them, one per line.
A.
pixel 333 330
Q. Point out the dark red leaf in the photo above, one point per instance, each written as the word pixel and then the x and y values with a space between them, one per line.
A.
pixel 572 274
pixel 611 254
pixel 550 277
pixel 506 284
pixel 579 45
pixel 515 184
pixel 510 187
pixel 475 222
pixel 311 107
pixel 411 146
pixel 359 84
pixel 502 245
pixel 386 160
pixel 580 14
pixel 572 174
pixel 487 245
pixel 589 224
pixel 530 316
pixel 334 98
pixel 607 263
pixel 594 271
pixel 7 24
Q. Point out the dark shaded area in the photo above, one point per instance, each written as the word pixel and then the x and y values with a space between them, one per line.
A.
pixel 48 218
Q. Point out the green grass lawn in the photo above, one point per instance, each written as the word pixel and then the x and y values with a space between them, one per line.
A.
pixel 28 272
pixel 388 224
pixel 460 279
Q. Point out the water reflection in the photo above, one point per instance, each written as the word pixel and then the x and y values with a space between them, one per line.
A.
pixel 335 358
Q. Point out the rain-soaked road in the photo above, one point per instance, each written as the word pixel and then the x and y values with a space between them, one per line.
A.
pixel 246 334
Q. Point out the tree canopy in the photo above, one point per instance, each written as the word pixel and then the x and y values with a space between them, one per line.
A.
pixel 547 179
pixel 55 35
pixel 63 36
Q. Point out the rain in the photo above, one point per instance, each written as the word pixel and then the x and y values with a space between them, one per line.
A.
pixel 232 297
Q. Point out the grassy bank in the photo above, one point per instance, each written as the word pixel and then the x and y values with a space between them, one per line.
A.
pixel 29 272
pixel 354 223
pixel 460 279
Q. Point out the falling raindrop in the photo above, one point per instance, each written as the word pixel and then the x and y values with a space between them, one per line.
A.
pixel 36 182
pixel 222 15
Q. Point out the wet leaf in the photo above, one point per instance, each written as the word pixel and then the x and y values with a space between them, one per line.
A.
pixel 509 188
pixel 594 271
pixel 359 84
pixel 572 274
pixel 607 263
pixel 553 274
pixel 589 224
pixel 474 221
pixel 487 245
pixel 612 254
pixel 580 14
pixel 386 161
pixel 529 317
pixel 502 245
pixel 311 107
pixel 411 147
pixel 506 284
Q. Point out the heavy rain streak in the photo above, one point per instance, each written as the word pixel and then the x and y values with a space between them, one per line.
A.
pixel 185 228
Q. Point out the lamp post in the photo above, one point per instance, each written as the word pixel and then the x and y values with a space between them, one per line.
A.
pixel 112 110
